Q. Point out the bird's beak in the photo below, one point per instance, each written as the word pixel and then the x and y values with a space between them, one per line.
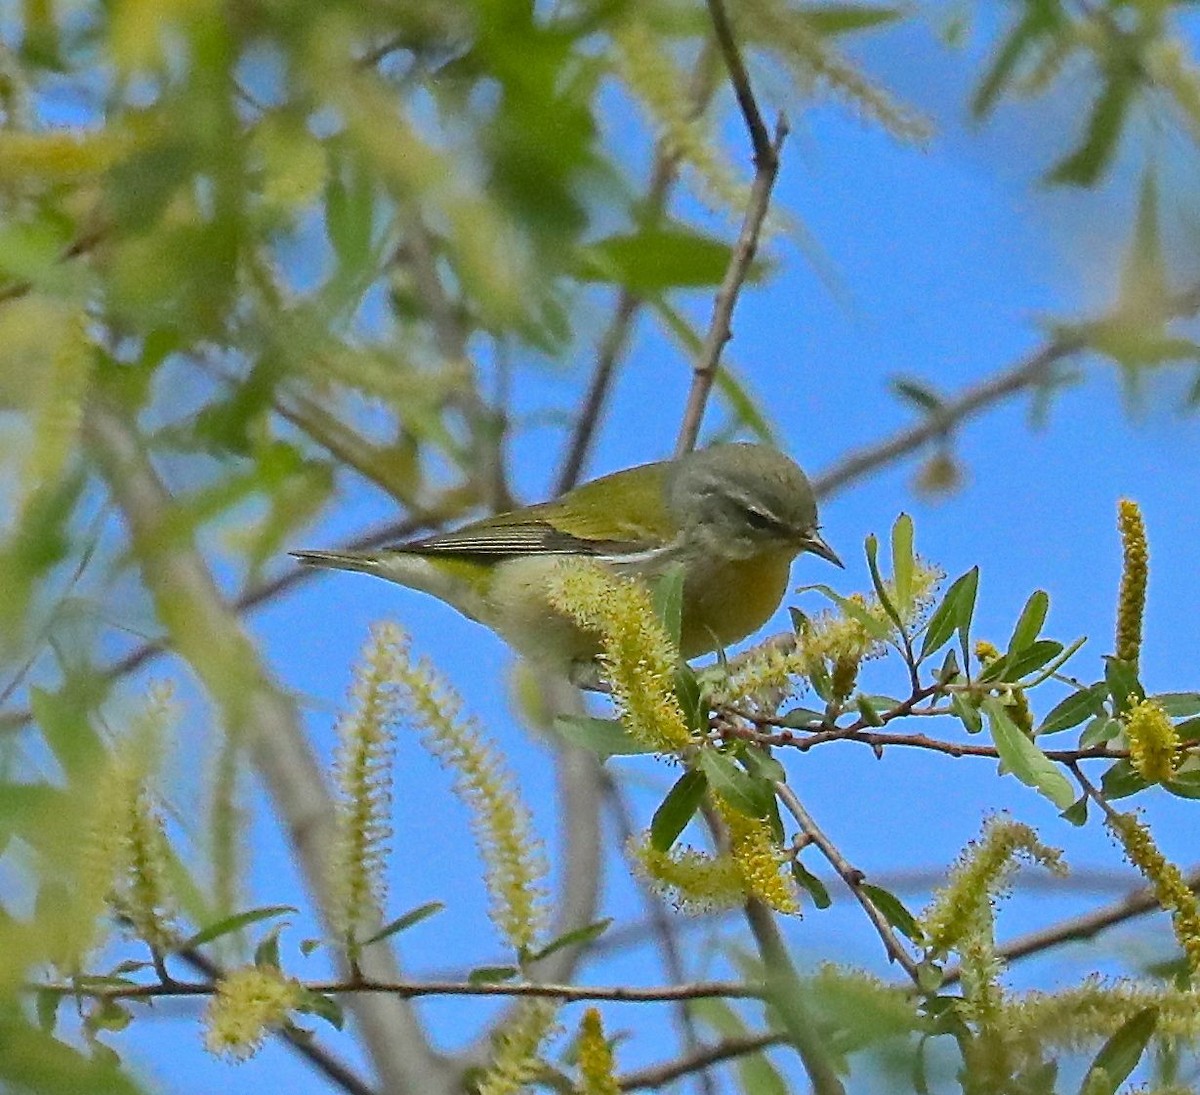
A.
pixel 814 544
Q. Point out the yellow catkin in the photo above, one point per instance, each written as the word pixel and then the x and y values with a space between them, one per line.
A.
pixel 249 1003
pixel 638 656
pixel 760 861
pixel 694 881
pixel 516 1049
pixel 1170 887
pixel 1153 740
pixel 596 1065
pixel 1131 604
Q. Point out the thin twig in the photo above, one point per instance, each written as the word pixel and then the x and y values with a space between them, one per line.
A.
pixel 411 990
pixel 766 168
pixel 655 1076
pixel 849 874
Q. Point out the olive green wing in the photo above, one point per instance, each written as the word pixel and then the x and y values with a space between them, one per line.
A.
pixel 618 514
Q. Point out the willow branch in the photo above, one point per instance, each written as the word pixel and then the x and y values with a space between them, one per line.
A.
pixel 850 875
pixel 207 634
pixel 766 169
pixel 656 1076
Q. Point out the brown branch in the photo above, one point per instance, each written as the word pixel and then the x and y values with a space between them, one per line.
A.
pixel 208 635
pixel 614 342
pixel 852 876
pixel 1028 373
pixel 411 990
pixel 766 168
pixel 655 1076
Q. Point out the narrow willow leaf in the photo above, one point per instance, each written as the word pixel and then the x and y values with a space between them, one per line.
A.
pixel 894 911
pixel 1029 623
pixel 1179 705
pixel 677 809
pixel 874 626
pixel 1121 781
pixel 868 711
pixel 762 765
pixel 323 1007
pixel 735 785
pixel 1024 759
pixel 953 614
pixel 902 561
pixel 1185 784
pixel 1122 680
pixel 1077 812
pixel 808 881
pixel 1100 730
pixel 1119 1056
pixel 1085 165
pixel 968 712
pixel 1032 658
pixel 403 923
pixel 489 975
pixel 604 737
pixel 579 937
pixel 668 601
pixel 235 923
pixel 881 592
pixel 1074 709
pixel 802 718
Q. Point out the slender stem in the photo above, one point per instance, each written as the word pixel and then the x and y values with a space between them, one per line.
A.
pixel 849 874
pixel 654 1077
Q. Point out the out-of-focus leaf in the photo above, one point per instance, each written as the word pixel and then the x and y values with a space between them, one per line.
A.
pixel 604 737
pixel 656 259
pixel 1094 154
pixel 1118 1057
pixel 829 19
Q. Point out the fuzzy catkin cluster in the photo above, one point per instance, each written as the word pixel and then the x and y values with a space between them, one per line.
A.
pixel 638 656
pixel 249 1003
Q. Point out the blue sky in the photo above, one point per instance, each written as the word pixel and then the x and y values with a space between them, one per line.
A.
pixel 944 259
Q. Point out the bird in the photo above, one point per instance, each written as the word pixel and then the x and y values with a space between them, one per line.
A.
pixel 732 516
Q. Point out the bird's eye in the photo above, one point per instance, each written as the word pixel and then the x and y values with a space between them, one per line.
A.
pixel 759 521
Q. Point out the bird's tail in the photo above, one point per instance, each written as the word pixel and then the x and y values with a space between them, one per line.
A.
pixel 365 561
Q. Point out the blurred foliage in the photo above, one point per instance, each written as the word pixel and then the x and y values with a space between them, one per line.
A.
pixel 292 243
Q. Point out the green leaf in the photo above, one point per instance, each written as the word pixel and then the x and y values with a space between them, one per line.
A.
pixel 1122 680
pixel 1024 759
pixel 489 975
pixel 802 718
pixel 874 626
pixel 1039 21
pixel 677 809
pixel 968 711
pixel 1101 729
pixel 1074 709
pixel 808 881
pixel 1178 705
pixel 604 737
pixel 63 720
pixel 868 711
pixel 881 592
pixel 323 1007
pixel 235 923
pixel 267 951
pixel 47 1001
pixel 668 600
pixel 954 613
pixel 762 765
pixel 691 697
pixel 918 394
pixel 576 937
pixel 1121 781
pixel 1032 658
pixel 1119 1056
pixel 829 19
pixel 403 923
pixel 894 911
pixel 902 561
pixel 1085 165
pixel 1077 812
pixel 1185 784
pixel 1029 623
pixel 654 259
pixel 736 786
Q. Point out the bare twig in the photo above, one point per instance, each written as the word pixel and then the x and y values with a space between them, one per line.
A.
pixel 655 1076
pixel 766 168
pixel 207 634
pixel 851 875
pixel 614 342
pixel 411 990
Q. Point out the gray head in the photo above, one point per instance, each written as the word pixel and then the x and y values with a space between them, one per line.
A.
pixel 748 498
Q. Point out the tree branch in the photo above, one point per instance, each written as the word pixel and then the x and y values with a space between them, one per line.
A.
pixel 206 633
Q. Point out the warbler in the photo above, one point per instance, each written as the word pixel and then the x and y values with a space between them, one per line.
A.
pixel 732 516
